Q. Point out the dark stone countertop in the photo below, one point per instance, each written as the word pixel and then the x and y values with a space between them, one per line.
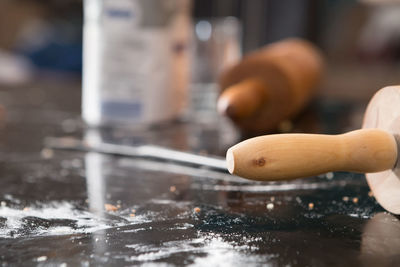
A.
pixel 53 212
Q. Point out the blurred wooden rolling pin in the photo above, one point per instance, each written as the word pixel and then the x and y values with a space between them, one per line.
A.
pixel 270 85
pixel 373 150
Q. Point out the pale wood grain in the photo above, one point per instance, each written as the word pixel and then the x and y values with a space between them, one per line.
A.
pixel 289 156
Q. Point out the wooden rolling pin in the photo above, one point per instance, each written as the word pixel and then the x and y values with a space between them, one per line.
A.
pixel 373 150
pixel 270 85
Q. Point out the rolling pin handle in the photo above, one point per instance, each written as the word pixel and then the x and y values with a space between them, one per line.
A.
pixel 242 100
pixel 289 156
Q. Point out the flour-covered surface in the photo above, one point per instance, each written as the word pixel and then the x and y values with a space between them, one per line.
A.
pixel 59 215
pixel 60 208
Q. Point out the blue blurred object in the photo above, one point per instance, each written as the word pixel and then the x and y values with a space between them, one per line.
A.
pixel 58 56
pixel 53 46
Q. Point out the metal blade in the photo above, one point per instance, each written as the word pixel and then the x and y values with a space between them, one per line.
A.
pixel 142 151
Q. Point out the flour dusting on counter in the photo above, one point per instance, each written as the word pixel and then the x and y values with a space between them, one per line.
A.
pixel 54 218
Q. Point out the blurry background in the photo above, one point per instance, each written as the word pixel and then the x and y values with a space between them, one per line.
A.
pixel 361 39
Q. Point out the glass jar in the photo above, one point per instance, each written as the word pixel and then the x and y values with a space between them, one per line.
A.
pixel 136 61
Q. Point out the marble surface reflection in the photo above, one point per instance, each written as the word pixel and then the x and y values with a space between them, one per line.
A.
pixel 68 208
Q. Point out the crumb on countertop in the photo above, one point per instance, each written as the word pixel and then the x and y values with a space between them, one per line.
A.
pixel 110 207
pixel 47 153
pixel 41 258
pixel 329 175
